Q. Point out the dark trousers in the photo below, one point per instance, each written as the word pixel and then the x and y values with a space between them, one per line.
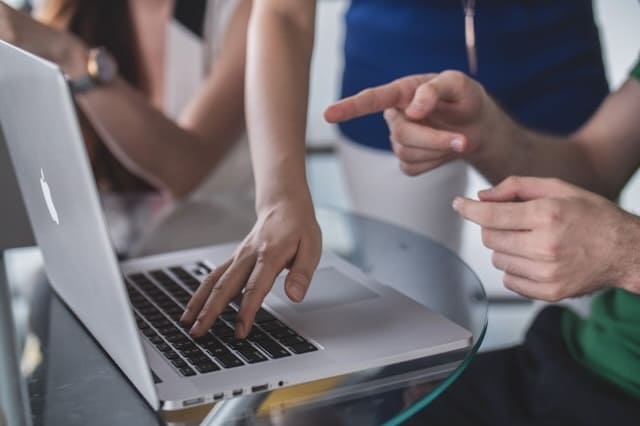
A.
pixel 536 383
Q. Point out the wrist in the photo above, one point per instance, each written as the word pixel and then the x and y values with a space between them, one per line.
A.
pixel 72 56
pixel 297 194
pixel 627 267
pixel 493 133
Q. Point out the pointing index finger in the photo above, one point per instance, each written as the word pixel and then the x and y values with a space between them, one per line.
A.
pixel 397 94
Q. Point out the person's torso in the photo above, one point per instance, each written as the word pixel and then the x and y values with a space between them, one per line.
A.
pixel 536 57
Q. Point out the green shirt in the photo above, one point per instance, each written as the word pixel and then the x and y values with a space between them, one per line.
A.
pixel 608 342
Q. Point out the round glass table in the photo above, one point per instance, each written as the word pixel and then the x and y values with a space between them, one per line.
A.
pixel 70 380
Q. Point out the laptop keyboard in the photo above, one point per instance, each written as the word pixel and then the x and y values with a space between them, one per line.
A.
pixel 159 297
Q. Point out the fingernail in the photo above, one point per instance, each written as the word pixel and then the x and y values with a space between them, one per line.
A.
pixel 415 109
pixel 240 329
pixel 195 327
pixel 457 203
pixel 185 315
pixel 390 114
pixel 457 144
pixel 296 291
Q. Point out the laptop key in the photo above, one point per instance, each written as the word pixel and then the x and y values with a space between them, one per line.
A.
pixel 220 329
pixel 177 338
pixel 292 340
pixel 198 359
pixel 263 316
pixel 256 334
pixel 302 348
pixel 179 363
pixel 187 371
pixel 282 333
pixel 207 367
pixel 272 348
pixel 229 360
pixel 272 326
pixel 251 355
pixel 149 332
pixel 156 340
pixel 171 355
pixel 191 352
pixel 183 346
pixel 163 347
pixel 204 267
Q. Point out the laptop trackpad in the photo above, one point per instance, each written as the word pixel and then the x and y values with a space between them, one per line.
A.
pixel 329 289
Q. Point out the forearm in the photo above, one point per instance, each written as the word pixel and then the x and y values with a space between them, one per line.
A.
pixel 146 142
pixel 509 149
pixel 277 84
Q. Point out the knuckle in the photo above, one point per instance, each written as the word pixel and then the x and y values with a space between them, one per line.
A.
pixel 406 168
pixel 554 214
pixel 488 239
pixel 510 283
pixel 266 253
pixel 555 294
pixel 371 96
pixel 457 78
pixel 402 152
pixel 255 290
pixel 512 181
pixel 398 131
pixel 245 250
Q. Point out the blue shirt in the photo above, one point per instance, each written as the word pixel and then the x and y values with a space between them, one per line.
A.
pixel 540 59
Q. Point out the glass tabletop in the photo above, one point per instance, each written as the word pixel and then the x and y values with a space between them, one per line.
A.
pixel 71 380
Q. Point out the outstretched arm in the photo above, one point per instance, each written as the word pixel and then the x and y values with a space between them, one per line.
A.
pixel 286 234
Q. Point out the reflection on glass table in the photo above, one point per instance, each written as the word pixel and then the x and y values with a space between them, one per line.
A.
pixel 72 381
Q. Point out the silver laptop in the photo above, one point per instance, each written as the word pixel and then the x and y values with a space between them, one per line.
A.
pixel 347 322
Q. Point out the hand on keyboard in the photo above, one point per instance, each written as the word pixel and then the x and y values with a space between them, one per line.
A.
pixel 286 235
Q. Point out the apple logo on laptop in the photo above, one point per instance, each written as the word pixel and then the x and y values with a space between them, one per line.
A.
pixel 46 192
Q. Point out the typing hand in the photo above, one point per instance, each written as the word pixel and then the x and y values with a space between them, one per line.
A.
pixel 432 118
pixel 554 240
pixel 286 235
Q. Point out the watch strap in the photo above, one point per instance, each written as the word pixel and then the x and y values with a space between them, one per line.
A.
pixel 81 84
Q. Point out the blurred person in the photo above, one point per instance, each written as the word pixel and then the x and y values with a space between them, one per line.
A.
pixel 158 84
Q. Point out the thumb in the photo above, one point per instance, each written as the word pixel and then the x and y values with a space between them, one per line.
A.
pixel 299 276
pixel 448 86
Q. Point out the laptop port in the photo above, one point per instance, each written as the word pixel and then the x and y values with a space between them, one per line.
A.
pixel 218 396
pixel 193 401
pixel 260 388
pixel 237 392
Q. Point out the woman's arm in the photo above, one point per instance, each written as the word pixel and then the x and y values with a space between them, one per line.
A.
pixel 177 156
pixel 286 234
pixel 170 155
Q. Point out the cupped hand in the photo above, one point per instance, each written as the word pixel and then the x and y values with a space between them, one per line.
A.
pixel 432 118
pixel 554 240
pixel 286 235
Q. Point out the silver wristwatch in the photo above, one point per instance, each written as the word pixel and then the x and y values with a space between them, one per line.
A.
pixel 101 69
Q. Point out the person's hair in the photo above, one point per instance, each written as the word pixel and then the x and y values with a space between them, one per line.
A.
pixel 106 23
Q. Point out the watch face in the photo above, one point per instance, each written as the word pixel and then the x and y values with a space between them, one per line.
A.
pixel 102 66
